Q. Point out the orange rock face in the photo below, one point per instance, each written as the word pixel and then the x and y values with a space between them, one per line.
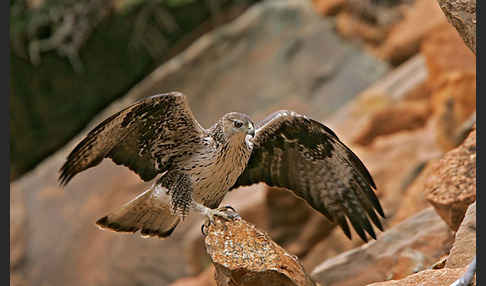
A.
pixel 328 7
pixel 244 255
pixel 406 115
pixel 451 187
pixel 405 37
pixel 452 81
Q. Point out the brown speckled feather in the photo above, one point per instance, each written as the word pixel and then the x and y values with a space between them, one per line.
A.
pixel 146 137
pixel 304 156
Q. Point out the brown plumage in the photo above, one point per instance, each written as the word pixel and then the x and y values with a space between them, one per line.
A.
pixel 197 167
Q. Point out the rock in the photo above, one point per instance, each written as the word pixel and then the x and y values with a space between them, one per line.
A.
pixel 244 255
pixel 464 248
pixel 441 277
pixel 382 13
pixel 406 36
pixel 328 7
pixel 251 60
pixel 250 202
pixel 18 234
pixel 333 244
pixel 393 161
pixel 18 238
pixel 404 83
pixel 206 278
pixel 462 14
pixel 315 229
pixel 408 247
pixel 445 53
pixel 42 119
pixel 451 187
pixel 452 113
pixel 407 115
pixel 17 279
pixel 352 27
pixel 452 82
pixel 280 68
pixel 414 195
pixel 285 211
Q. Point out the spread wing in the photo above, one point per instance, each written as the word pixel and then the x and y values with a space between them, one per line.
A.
pixel 145 137
pixel 304 156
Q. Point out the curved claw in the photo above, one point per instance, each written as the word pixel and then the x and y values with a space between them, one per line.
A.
pixel 204 227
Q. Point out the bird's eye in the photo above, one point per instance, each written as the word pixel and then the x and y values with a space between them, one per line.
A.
pixel 237 123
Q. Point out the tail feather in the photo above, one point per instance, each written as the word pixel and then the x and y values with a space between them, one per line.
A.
pixel 148 212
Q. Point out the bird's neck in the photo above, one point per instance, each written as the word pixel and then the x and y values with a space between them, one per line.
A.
pixel 226 143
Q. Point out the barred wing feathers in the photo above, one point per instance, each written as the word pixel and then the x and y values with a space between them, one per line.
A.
pixel 304 156
pixel 145 137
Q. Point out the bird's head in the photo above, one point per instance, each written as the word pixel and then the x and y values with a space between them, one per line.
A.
pixel 235 123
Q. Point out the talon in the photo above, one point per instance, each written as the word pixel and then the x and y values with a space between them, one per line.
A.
pixel 205 226
pixel 228 213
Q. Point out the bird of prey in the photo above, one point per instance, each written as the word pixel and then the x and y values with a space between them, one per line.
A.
pixel 158 137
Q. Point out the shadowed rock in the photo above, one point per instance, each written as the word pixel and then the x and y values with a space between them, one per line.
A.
pixel 244 255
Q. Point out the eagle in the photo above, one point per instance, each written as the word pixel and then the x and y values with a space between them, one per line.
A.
pixel 193 168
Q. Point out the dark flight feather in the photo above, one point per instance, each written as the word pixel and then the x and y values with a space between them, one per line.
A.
pixel 142 137
pixel 306 157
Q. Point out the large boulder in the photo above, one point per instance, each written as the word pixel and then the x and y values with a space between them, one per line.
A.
pixel 279 54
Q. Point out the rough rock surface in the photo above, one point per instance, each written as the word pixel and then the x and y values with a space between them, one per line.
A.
pixel 408 247
pixel 441 277
pixel 462 14
pixel 464 248
pixel 244 255
pixel 249 202
pixel 451 187
pixel 63 245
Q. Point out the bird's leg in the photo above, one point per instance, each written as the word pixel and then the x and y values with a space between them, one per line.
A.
pixel 225 212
